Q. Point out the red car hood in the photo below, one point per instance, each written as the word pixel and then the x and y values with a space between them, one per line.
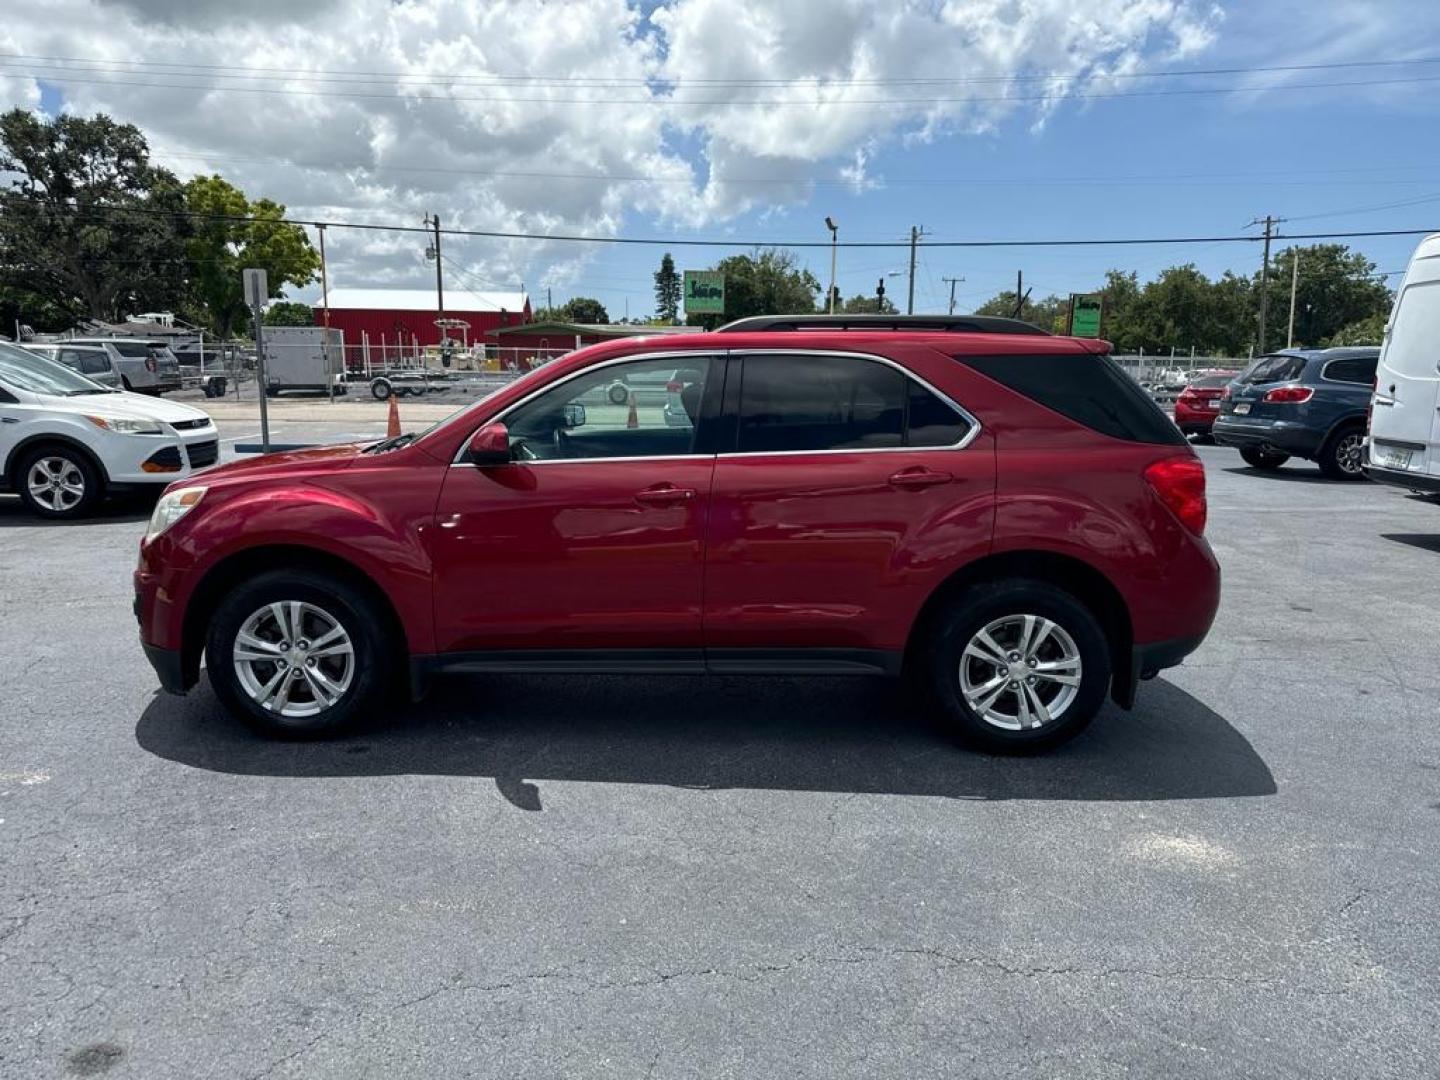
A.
pixel 315 459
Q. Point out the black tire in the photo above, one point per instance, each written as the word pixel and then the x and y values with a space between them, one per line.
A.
pixel 125 384
pixel 380 389
pixel 983 605
pixel 76 464
pixel 1342 456
pixel 373 659
pixel 1265 460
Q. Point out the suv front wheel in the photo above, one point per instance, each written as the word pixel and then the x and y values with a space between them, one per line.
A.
pixel 298 655
pixel 1019 665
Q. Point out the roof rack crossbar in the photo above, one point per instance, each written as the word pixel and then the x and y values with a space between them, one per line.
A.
pixel 956 324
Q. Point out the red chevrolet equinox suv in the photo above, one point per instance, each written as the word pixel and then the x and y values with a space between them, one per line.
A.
pixel 999 511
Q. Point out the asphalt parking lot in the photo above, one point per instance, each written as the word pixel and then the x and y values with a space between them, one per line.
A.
pixel 676 877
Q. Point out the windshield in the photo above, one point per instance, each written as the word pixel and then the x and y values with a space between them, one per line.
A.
pixel 24 370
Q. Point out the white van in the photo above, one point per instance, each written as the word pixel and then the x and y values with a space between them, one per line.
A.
pixel 1405 411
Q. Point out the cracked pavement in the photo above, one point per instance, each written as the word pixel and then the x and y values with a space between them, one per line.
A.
pixel 685 877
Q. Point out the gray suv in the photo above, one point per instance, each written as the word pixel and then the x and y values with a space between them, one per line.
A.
pixel 145 366
pixel 1308 403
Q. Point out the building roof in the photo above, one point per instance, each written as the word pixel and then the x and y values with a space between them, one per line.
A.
pixel 424 300
pixel 604 330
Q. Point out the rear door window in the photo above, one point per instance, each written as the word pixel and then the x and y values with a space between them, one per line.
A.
pixel 1351 369
pixel 796 403
pixel 817 402
pixel 1414 348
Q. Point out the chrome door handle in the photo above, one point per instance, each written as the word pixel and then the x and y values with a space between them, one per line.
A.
pixel 664 495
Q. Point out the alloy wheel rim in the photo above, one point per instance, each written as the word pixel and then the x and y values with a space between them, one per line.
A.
pixel 56 483
pixel 1348 453
pixel 294 658
pixel 1020 672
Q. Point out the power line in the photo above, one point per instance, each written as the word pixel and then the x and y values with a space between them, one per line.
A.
pixel 63 78
pixel 1130 241
pixel 178 69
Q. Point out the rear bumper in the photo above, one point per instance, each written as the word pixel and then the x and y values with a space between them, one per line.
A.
pixel 1298 440
pixel 1411 481
pixel 1146 661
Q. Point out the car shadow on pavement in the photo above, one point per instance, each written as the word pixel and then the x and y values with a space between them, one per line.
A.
pixel 846 735
pixel 1299 475
pixel 1423 541
pixel 119 510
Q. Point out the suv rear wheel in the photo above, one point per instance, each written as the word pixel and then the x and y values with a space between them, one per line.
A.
pixel 298 655
pixel 1019 665
pixel 1343 455
pixel 1268 460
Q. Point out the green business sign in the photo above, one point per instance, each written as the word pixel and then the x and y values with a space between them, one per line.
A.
pixel 704 292
pixel 1085 311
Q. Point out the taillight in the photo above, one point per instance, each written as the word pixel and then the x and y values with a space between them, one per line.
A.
pixel 150 363
pixel 1180 483
pixel 1289 395
pixel 674 386
pixel 1225 394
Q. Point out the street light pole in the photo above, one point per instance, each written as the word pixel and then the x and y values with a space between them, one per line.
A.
pixel 834 241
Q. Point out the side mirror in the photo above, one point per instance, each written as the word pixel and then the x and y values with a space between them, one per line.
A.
pixel 574 415
pixel 490 445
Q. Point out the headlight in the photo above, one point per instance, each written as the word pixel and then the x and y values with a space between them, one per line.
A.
pixel 173 505
pixel 123 426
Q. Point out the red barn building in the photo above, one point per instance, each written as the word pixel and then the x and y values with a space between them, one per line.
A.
pixel 405 318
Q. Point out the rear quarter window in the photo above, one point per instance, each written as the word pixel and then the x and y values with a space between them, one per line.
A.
pixel 1091 390
pixel 1351 369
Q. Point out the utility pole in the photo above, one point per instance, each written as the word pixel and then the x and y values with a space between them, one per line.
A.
pixel 549 300
pixel 1269 221
pixel 953 281
pixel 1294 281
pixel 1020 294
pixel 439 289
pixel 325 318
pixel 834 240
pixel 916 231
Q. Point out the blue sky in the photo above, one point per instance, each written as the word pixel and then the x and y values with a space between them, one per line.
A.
pixel 507 157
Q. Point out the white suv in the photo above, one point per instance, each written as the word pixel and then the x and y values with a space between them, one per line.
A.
pixel 65 440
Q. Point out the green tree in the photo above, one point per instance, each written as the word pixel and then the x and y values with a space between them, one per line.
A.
pixel 1047 313
pixel 1368 331
pixel 289 313
pixel 88 227
pixel 231 234
pixel 1336 288
pixel 768 282
pixel 667 291
pixel 867 305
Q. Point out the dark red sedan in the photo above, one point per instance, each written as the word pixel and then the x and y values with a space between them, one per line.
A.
pixel 1199 404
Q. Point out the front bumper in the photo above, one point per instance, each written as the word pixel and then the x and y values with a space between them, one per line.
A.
pixel 168 666
pixel 170 457
pixel 1297 440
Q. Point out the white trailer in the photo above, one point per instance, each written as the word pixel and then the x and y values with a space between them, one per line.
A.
pixel 304 358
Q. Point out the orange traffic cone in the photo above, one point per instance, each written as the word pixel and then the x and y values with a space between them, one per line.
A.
pixel 392 428
pixel 633 420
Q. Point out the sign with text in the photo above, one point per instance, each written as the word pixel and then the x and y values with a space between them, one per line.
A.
pixel 704 292
pixel 1085 311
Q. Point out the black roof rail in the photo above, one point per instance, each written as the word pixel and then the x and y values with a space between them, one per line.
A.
pixel 955 324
